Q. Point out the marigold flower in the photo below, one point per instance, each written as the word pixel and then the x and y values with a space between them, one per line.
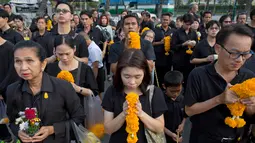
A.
pixel 66 75
pixel 145 29
pixel 134 41
pixel 132 119
pixel 97 130
pixel 167 44
pixel 230 122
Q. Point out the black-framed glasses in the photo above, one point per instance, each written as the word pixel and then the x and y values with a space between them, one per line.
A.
pixel 236 55
pixel 64 11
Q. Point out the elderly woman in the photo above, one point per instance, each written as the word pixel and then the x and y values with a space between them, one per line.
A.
pixel 54 99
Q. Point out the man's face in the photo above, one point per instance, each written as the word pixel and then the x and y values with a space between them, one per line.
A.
pixel 130 25
pixel 165 20
pixel 95 14
pixel 63 13
pixel 18 23
pixel 195 8
pixel 229 52
pixel 173 91
pixel 213 30
pixel 7 9
pixel 207 18
pixel 41 24
pixel 86 21
pixel 3 22
pixel 187 25
pixel 242 19
pixel 178 23
pixel 227 21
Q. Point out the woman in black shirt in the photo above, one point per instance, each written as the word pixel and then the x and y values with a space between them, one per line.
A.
pixel 85 82
pixel 132 75
pixel 53 98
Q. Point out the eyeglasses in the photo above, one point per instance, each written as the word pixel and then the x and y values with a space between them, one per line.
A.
pixel 236 55
pixel 227 21
pixel 64 11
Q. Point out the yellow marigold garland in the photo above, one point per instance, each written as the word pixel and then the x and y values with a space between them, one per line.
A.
pixel 132 119
pixel 189 51
pixel 66 75
pixel 243 90
pixel 145 29
pixel 167 40
pixel 97 130
pixel 49 25
pixel 134 41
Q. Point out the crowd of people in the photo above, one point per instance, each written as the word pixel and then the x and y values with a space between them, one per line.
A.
pixel 191 78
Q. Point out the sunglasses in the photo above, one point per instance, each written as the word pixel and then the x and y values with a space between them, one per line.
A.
pixel 64 11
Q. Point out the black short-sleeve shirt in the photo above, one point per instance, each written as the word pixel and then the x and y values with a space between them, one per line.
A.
pixel 80 44
pixel 113 102
pixel 161 58
pixel 174 115
pixel 117 48
pixel 203 84
pixel 12 36
pixel 202 50
pixel 250 63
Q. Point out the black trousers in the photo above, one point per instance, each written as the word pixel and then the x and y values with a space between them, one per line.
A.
pixel 4 132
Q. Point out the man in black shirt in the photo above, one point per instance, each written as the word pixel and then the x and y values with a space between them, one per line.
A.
pixel 146 21
pixel 130 24
pixel 182 40
pixel 64 16
pixel 6 32
pixel 193 10
pixel 7 76
pixel 8 9
pixel 250 63
pixel 241 18
pixel 39 35
pixel 163 61
pixel 208 88
pixel 204 52
pixel 207 16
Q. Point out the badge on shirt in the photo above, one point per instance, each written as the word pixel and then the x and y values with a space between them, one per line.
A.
pixel 26 38
pixel 46 96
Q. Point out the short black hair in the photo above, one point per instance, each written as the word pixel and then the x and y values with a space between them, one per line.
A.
pixel 40 52
pixel 211 23
pixel 85 12
pixel 147 14
pixel 70 7
pixel 179 18
pixel 173 78
pixel 18 17
pixel 252 13
pixel 4 14
pixel 188 18
pixel 238 29
pixel 7 4
pixel 134 15
pixel 40 17
pixel 206 12
pixel 241 13
pixel 167 14
pixel 64 39
pixel 223 17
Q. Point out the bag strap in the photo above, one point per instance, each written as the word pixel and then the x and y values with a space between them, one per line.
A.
pixel 77 79
pixel 151 91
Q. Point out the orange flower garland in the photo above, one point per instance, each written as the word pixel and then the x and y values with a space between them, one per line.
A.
pixel 145 29
pixel 66 75
pixel 189 51
pixel 131 119
pixel 134 41
pixel 97 130
pixel 243 90
pixel 167 40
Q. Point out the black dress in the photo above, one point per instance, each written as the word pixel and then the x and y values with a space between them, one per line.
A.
pixel 113 102
pixel 87 78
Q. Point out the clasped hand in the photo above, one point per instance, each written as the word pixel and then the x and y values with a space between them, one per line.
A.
pixel 42 134
pixel 139 112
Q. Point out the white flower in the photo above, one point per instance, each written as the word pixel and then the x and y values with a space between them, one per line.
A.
pixel 36 124
pixel 21 113
pixel 198 34
pixel 23 126
pixel 18 120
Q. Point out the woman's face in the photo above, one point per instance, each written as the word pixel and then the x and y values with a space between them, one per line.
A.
pixel 65 53
pixel 104 20
pixel 149 36
pixel 27 64
pixel 195 25
pixel 132 77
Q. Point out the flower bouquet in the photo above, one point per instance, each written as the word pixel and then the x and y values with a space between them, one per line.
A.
pixel 29 121
pixel 66 75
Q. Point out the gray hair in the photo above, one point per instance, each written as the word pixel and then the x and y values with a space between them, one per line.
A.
pixel 146 32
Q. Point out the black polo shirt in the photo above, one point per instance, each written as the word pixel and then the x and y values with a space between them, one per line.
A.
pixel 117 49
pixel 39 38
pixel 203 84
pixel 174 115
pixel 202 50
pixel 179 37
pixel 161 59
pixel 250 63
pixel 202 31
pixel 12 36
pixel 148 24
pixel 80 43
